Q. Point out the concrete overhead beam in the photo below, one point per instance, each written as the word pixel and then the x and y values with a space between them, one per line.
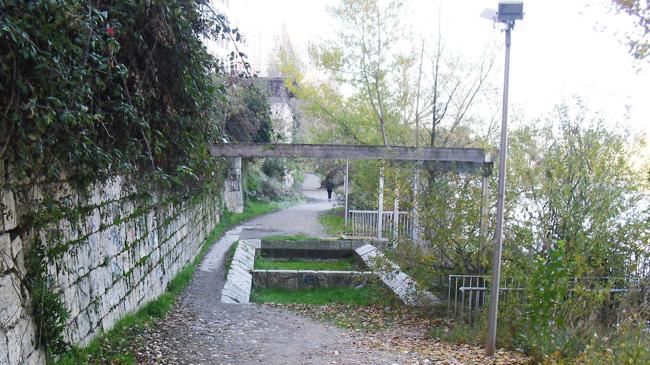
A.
pixel 461 159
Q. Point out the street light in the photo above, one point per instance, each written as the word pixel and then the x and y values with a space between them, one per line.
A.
pixel 507 14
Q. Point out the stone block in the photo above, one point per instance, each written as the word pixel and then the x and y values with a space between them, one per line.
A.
pixel 14 341
pixel 10 300
pixel 110 190
pixel 6 257
pixel 35 358
pixel 7 210
pixel 68 230
pixel 83 293
pixel 28 336
pixel 4 350
pixel 16 246
pixel 70 300
pixel 365 250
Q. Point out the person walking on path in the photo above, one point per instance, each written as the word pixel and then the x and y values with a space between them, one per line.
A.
pixel 329 185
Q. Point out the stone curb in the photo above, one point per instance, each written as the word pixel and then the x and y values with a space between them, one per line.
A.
pixel 237 288
pixel 400 283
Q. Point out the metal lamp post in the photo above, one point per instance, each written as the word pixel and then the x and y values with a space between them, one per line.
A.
pixel 507 14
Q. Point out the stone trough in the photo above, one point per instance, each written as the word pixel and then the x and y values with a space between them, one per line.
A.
pixel 242 275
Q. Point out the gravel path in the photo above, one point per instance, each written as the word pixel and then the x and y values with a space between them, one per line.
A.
pixel 201 330
pixel 299 219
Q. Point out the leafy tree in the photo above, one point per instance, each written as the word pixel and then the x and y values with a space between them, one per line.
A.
pixel 571 181
pixel 364 57
pixel 639 11
pixel 247 112
pixel 93 89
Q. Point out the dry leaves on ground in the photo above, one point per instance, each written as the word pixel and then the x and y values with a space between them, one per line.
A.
pixel 405 330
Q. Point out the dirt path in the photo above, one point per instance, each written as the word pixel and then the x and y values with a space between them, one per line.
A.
pixel 202 330
pixel 299 219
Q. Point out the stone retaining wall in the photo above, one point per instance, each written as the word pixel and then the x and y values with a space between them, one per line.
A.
pixel 316 248
pixel 120 254
pixel 301 279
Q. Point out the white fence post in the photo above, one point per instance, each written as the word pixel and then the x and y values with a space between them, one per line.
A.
pixel 380 204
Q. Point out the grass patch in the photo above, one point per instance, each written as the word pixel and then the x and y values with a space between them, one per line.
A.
pixel 118 346
pixel 347 264
pixel 367 295
pixel 295 237
pixel 229 256
pixel 333 220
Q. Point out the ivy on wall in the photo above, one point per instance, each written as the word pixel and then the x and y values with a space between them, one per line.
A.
pixel 92 89
pixel 97 88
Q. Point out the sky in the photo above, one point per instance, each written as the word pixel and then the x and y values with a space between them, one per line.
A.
pixel 561 49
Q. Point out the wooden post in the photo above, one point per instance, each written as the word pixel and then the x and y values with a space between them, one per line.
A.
pixel 346 187
pixel 380 203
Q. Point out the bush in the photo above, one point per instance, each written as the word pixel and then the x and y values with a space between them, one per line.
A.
pixel 273 167
pixel 93 90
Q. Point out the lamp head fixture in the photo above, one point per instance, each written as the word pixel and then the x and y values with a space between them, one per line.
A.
pixel 508 13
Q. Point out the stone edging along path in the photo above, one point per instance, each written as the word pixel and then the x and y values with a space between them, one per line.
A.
pixel 239 281
pixel 237 288
pixel 391 274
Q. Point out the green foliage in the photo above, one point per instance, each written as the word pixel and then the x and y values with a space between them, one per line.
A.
pixel 295 237
pixel 627 344
pixel 333 220
pixel 91 91
pixel 248 114
pixel 229 256
pixel 418 263
pixel 451 221
pixel 273 167
pixel 571 181
pixel 639 11
pixel 348 264
pixel 546 309
pixel 261 186
pixel 368 295
pixel 48 310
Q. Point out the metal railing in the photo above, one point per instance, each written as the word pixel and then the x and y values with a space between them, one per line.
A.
pixel 468 294
pixel 363 224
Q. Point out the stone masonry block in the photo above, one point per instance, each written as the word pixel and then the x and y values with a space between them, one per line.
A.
pixel 10 300
pixel 6 259
pixel 7 210
pixel 4 350
pixel 15 341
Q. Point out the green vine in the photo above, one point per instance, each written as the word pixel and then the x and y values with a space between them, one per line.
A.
pixel 48 310
pixel 96 89
pixel 92 89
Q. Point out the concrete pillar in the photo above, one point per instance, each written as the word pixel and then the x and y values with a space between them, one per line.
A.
pixel 233 193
